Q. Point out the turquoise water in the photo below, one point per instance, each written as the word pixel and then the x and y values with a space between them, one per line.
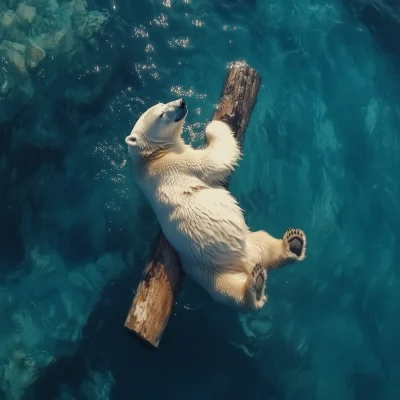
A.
pixel 321 153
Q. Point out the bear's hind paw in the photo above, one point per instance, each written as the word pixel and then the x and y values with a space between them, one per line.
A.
pixel 256 288
pixel 295 240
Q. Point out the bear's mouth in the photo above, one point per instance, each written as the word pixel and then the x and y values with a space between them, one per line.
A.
pixel 182 114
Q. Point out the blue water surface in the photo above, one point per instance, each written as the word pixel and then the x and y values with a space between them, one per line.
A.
pixel 321 153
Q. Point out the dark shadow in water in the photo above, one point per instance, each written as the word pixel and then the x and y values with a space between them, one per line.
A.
pixel 21 165
pixel 382 19
pixel 367 386
pixel 195 356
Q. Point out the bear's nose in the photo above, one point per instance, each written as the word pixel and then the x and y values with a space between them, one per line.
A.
pixel 182 104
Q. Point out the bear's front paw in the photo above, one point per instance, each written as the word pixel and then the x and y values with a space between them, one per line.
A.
pixel 295 242
pixel 217 130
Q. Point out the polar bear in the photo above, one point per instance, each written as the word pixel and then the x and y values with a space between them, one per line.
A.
pixel 198 215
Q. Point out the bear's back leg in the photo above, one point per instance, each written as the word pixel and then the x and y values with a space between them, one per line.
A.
pixel 241 290
pixel 275 253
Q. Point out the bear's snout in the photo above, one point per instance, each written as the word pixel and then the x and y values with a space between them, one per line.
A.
pixel 182 110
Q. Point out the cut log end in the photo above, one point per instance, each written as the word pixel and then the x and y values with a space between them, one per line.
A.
pixel 238 99
pixel 155 297
pixel 162 278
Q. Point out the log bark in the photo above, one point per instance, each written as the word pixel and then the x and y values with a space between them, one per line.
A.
pixel 162 278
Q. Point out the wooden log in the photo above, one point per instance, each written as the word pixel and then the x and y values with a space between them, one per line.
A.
pixel 162 278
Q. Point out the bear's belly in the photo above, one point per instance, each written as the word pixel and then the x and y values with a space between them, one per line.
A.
pixel 206 227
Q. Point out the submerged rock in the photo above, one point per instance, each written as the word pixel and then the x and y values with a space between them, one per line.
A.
pixel 87 24
pixel 29 31
pixel 62 41
pixel 15 53
pixel 22 55
pixel 33 54
pixel 26 13
pixel 7 19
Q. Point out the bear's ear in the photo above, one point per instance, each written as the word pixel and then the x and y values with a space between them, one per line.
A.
pixel 131 140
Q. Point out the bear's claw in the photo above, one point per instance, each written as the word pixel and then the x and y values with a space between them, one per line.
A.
pixel 296 242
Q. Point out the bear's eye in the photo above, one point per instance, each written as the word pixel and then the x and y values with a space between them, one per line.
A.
pixel 161 115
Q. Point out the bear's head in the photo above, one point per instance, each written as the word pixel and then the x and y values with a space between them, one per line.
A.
pixel 159 127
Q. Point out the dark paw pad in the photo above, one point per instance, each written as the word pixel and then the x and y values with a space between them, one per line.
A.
pixel 259 286
pixel 259 280
pixel 295 240
pixel 295 246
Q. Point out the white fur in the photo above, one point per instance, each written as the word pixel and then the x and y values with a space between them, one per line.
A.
pixel 199 217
